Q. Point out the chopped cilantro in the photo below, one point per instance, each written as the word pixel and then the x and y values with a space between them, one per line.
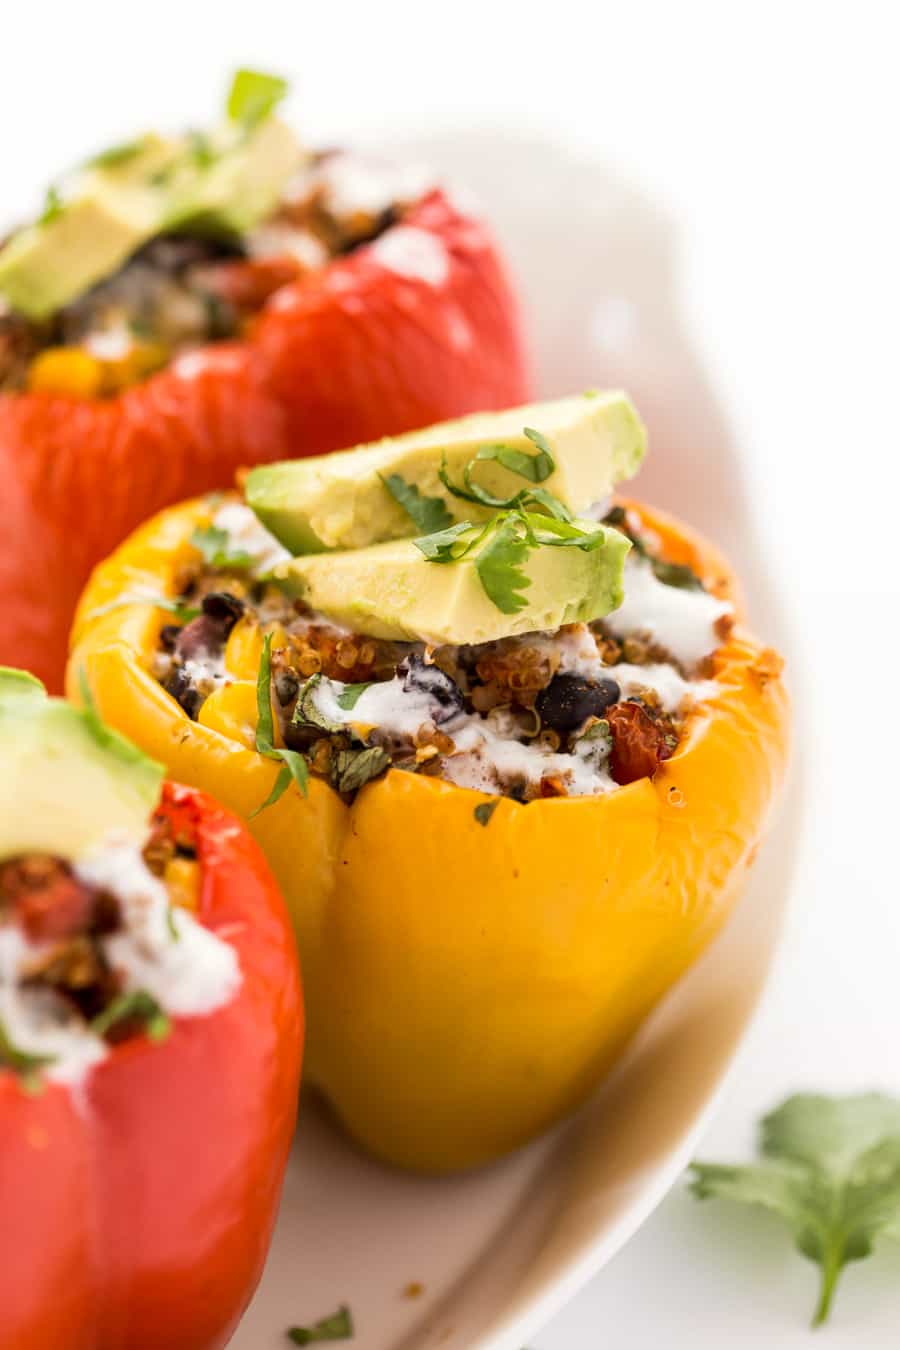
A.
pixel 215 545
pixel 499 566
pixel 484 811
pixel 22 1063
pixel 115 155
pixel 293 764
pixel 428 514
pixel 134 1006
pixel 338 1327
pixel 53 205
pixel 307 712
pixel 830 1167
pixel 354 768
pixel 253 96
pixel 351 693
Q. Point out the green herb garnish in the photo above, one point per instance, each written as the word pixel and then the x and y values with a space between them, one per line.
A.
pixel 53 206
pixel 293 764
pixel 307 713
pixel 484 810
pixel 25 1065
pixel 253 96
pixel 215 545
pixel 670 573
pixel 427 513
pixel 501 547
pixel 354 768
pixel 115 155
pixel 535 468
pixel 351 693
pixel 176 607
pixel 338 1327
pixel 830 1167
pixel 499 565
pixel 134 1006
pixel 201 149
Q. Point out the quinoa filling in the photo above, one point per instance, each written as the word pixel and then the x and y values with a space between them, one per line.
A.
pixel 574 712
pixel 179 292
pixel 101 951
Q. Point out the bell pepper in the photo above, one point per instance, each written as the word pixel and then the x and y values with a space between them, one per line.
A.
pixel 351 352
pixel 138 1206
pixel 468 984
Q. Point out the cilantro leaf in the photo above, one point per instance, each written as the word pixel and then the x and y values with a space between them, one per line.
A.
pixel 830 1167
pixel 533 467
pixel 338 1327
pixel 253 96
pixel 354 768
pixel 215 545
pixel 53 205
pixel 427 513
pixel 307 712
pixel 499 566
pixel 351 694
pixel 22 1063
pixel 136 1005
pixel 446 546
pixel 177 607
pixel 114 155
pixel 484 810
pixel 293 764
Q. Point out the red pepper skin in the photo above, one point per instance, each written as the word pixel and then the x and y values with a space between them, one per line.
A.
pixel 348 354
pixel 137 1210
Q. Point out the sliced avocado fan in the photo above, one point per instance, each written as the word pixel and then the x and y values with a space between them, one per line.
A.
pixel 353 498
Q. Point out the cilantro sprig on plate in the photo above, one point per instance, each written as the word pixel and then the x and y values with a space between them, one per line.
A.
pixel 830 1167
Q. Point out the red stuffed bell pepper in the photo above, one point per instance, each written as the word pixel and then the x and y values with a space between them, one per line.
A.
pixel 200 303
pixel 150 1044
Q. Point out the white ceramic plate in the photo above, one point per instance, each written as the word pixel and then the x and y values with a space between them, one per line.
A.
pixel 497 1253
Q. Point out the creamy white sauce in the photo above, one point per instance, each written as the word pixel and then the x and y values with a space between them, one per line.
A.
pixel 160 948
pixel 355 183
pixel 489 763
pixel 246 532
pixel 275 239
pixel 682 621
pixel 413 253
pixel 39 1022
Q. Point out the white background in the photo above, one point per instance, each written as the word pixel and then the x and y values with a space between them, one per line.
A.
pixel 768 135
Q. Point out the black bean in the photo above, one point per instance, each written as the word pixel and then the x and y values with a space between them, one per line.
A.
pixel 168 636
pixel 569 700
pixel 182 688
pixel 445 693
pixel 286 686
pixel 201 637
pixel 224 608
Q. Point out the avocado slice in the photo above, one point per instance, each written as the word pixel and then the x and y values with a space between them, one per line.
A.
pixel 340 501
pixel 112 210
pixel 392 591
pixel 69 782
pixel 114 207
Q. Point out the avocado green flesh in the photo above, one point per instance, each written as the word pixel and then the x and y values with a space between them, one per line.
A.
pixel 339 501
pixel 392 591
pixel 69 784
pixel 113 210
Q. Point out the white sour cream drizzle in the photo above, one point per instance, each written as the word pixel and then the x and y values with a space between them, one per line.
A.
pixel 160 948
pixel 682 621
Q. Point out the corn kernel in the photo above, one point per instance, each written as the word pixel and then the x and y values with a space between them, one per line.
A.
pixel 66 370
pixel 182 879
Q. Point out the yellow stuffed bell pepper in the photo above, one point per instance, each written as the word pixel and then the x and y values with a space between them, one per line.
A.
pixel 473 964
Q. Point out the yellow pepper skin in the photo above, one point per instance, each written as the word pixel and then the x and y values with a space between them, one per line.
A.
pixel 467 985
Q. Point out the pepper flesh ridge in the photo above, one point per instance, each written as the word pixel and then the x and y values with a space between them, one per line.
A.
pixel 468 985
pixel 345 355
pixel 140 1207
